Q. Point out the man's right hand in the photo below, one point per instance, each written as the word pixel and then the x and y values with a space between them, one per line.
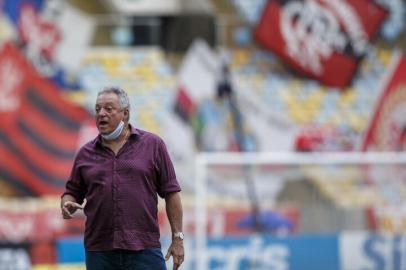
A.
pixel 69 208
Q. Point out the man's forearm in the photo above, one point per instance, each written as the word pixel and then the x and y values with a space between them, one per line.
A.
pixel 174 211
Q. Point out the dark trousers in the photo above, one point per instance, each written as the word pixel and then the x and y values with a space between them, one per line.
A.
pixel 151 259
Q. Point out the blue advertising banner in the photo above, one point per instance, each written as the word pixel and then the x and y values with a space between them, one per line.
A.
pixel 301 252
pixel 70 250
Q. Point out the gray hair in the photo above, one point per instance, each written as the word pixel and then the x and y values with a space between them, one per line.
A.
pixel 122 96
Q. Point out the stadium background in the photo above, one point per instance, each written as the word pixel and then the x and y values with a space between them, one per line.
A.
pixel 318 87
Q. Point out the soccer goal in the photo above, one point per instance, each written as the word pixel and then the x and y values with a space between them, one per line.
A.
pixel 267 201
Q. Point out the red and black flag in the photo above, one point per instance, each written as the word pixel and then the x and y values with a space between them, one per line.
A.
pixel 387 126
pixel 39 131
pixel 322 39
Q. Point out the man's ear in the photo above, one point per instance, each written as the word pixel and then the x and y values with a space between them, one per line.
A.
pixel 126 114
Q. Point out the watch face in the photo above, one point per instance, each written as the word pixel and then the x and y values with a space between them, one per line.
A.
pixel 179 235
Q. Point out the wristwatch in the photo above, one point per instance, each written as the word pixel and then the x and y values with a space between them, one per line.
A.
pixel 179 235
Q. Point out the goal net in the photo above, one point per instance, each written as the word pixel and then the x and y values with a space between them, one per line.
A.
pixel 260 210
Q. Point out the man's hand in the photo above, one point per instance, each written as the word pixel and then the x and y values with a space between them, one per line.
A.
pixel 177 252
pixel 69 208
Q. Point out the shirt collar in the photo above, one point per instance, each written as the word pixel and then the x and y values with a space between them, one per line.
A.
pixel 134 130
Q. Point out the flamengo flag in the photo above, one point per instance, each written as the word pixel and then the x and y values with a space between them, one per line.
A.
pixel 387 128
pixel 322 39
pixel 39 132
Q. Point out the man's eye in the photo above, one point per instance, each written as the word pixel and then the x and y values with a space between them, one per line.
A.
pixel 106 109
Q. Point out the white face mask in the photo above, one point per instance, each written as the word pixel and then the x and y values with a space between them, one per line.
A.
pixel 115 133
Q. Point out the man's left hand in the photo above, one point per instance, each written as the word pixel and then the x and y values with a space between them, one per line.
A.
pixel 176 250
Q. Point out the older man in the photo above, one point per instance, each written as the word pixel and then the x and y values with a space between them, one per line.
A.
pixel 120 173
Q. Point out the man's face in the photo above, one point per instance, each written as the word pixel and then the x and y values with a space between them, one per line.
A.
pixel 108 112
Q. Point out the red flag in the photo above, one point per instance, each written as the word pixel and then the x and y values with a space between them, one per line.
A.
pixel 322 39
pixel 387 128
pixel 40 130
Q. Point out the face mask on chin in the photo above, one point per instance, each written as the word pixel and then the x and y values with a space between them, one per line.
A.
pixel 115 133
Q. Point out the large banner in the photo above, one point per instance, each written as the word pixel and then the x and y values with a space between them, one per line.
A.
pixel 40 130
pixel 322 39
pixel 387 128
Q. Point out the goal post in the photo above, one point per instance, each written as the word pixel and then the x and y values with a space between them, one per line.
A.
pixel 230 166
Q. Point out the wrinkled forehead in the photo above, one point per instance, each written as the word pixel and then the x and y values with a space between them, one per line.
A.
pixel 107 99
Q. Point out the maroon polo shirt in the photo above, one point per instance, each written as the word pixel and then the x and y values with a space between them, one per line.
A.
pixel 121 191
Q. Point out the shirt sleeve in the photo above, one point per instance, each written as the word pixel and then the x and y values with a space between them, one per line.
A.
pixel 167 182
pixel 75 185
